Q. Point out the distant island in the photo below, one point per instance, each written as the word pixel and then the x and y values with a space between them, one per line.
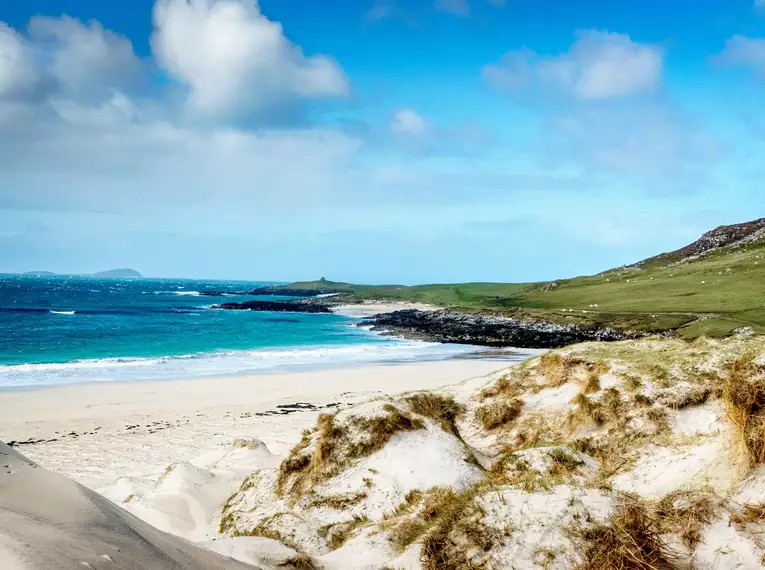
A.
pixel 118 273
pixel 124 272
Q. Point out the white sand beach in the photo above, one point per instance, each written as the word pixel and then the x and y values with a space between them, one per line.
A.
pixel 98 432
pixel 370 308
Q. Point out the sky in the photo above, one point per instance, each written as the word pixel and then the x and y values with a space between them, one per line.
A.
pixel 375 141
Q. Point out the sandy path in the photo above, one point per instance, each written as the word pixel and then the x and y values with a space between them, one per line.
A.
pixel 96 433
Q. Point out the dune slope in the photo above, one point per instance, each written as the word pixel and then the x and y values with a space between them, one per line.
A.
pixel 48 521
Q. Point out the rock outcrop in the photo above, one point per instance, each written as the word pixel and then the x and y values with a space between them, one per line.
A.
pixel 297 306
pixel 713 240
pixel 463 328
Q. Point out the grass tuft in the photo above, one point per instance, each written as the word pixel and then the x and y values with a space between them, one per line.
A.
pixel 334 448
pixel 339 534
pixel 442 409
pixel 744 399
pixel 337 502
pixel 499 413
pixel 407 533
pixel 686 513
pixel 631 540
pixel 299 562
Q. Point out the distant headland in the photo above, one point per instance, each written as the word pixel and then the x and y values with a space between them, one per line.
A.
pixel 123 272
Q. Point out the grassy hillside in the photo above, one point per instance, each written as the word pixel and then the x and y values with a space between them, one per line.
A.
pixel 714 294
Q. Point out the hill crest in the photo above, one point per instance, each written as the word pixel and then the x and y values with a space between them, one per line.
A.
pixel 721 237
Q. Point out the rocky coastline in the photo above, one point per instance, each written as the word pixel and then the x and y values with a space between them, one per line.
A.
pixel 461 328
pixel 291 306
pixel 452 327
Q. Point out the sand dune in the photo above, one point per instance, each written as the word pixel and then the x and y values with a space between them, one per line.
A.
pixel 48 521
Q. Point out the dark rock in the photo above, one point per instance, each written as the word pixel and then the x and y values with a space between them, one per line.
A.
pixel 298 306
pixel 461 328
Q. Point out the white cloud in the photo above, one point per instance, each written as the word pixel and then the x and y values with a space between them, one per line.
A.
pixel 84 59
pixel 749 52
pixel 62 57
pixel 105 158
pixel 598 66
pixel 234 60
pixel 18 74
pixel 409 123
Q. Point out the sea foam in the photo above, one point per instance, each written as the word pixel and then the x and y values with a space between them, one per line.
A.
pixel 222 362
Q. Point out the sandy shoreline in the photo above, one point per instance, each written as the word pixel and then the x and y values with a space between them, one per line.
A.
pixel 96 433
pixel 371 308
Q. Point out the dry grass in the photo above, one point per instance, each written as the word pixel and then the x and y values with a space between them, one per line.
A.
pixel 659 417
pixel 338 534
pixel 563 463
pixel 748 514
pixel 686 514
pixel 442 409
pixel 300 562
pixel 499 413
pixel 411 500
pixel 449 514
pixel 616 451
pixel 631 540
pixel 407 532
pixel 268 528
pixel 446 523
pixel 510 386
pixel 592 384
pixel 607 408
pixel 744 399
pixel 684 395
pixel 641 399
pixel 334 448
pixel 559 370
pixel 337 502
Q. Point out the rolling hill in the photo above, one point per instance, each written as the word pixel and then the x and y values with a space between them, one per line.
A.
pixel 712 287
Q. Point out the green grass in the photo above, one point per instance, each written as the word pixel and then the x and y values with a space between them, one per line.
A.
pixel 712 295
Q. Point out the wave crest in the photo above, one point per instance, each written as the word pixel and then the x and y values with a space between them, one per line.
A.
pixel 221 363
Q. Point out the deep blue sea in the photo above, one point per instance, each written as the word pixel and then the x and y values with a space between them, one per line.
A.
pixel 61 330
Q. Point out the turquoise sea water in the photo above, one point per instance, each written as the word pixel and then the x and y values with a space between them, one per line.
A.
pixel 59 330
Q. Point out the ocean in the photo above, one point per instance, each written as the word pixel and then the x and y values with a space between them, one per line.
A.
pixel 63 330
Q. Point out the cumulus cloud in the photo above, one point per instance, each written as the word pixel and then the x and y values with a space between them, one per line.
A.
pixel 598 66
pixel 17 68
pixel 744 51
pixel 85 59
pixel 63 57
pixel 234 60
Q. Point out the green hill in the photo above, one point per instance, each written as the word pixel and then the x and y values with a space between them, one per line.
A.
pixel 712 286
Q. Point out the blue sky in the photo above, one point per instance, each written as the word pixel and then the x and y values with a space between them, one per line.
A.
pixel 374 140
